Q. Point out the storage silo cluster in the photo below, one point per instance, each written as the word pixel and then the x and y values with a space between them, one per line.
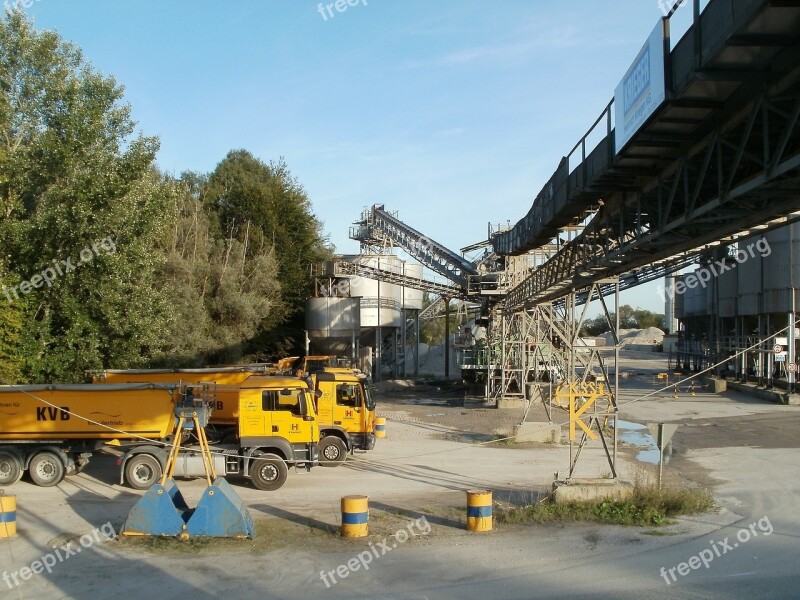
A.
pixel 363 319
pixel 740 300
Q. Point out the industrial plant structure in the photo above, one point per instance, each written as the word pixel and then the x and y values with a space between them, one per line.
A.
pixel 694 163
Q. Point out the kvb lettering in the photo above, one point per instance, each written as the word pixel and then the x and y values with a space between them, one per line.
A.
pixel 52 413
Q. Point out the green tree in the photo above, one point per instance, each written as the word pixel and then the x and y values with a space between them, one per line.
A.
pixel 645 319
pixel 225 285
pixel 432 331
pixel 264 207
pixel 629 318
pixel 11 322
pixel 73 173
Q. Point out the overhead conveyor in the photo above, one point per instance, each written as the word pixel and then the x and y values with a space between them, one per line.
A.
pixel 379 228
pixel 348 268
pixel 719 157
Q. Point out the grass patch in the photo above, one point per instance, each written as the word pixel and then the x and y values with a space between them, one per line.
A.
pixel 648 506
pixel 276 534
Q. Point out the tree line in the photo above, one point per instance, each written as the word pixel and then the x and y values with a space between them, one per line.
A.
pixel 108 262
pixel 629 318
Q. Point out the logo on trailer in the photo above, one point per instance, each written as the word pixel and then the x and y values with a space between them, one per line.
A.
pixel 52 413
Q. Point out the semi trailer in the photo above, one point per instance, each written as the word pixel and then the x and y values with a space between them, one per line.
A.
pixel 51 431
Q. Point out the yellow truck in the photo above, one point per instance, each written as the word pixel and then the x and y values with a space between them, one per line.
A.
pixel 346 410
pixel 343 400
pixel 52 430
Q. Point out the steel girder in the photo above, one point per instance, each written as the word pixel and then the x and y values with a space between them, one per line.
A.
pixel 742 175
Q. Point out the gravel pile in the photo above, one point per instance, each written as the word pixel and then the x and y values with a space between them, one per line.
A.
pixel 637 337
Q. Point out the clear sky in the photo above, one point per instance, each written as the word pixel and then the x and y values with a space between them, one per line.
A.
pixel 454 113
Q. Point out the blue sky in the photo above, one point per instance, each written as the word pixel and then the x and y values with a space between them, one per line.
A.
pixel 454 113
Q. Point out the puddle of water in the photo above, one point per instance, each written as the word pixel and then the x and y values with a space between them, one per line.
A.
pixel 651 457
pixel 637 434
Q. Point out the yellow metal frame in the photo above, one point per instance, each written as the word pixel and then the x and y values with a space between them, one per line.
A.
pixel 205 450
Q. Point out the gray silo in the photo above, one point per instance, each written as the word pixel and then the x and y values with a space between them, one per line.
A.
pixel 746 310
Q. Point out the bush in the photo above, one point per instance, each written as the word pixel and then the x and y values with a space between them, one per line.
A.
pixel 647 506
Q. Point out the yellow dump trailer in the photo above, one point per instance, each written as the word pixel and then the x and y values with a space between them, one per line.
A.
pixel 228 382
pixel 52 430
pixel 104 412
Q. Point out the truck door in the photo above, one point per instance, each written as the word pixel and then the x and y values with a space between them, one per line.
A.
pixel 288 407
pixel 255 414
pixel 326 402
pixel 350 406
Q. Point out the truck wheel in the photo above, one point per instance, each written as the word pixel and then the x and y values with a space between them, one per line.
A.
pixel 10 468
pixel 268 472
pixel 332 451
pixel 142 471
pixel 46 469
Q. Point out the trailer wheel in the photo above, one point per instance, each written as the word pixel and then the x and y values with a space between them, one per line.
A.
pixel 332 451
pixel 10 468
pixel 142 471
pixel 268 472
pixel 46 469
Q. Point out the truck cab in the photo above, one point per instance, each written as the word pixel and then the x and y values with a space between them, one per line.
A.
pixel 276 428
pixel 279 412
pixel 346 411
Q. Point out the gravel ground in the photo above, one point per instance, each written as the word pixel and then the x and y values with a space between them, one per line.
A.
pixel 423 468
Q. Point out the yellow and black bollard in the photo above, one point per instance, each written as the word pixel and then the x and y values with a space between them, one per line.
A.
pixel 355 516
pixel 380 427
pixel 479 510
pixel 8 516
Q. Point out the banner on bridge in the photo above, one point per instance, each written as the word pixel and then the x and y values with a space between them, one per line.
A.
pixel 643 88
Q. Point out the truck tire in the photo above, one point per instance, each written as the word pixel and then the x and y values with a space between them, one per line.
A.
pixel 268 472
pixel 46 469
pixel 142 471
pixel 10 468
pixel 332 451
